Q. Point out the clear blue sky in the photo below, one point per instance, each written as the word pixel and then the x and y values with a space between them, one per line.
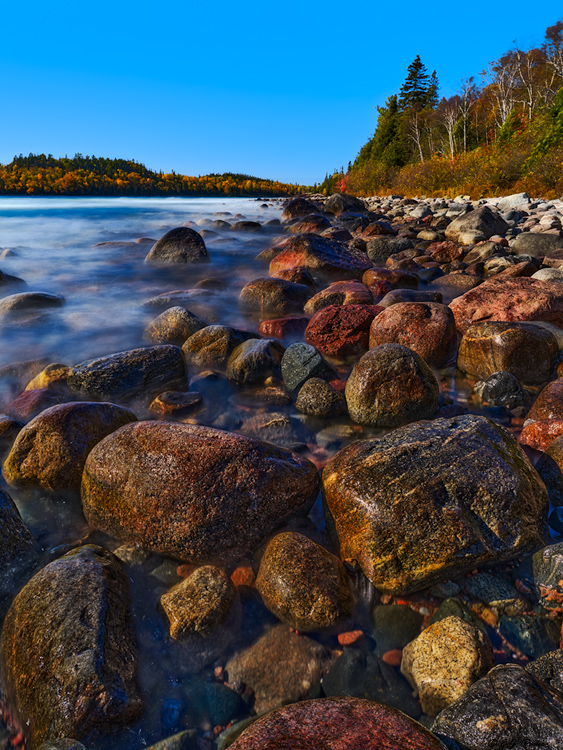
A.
pixel 283 90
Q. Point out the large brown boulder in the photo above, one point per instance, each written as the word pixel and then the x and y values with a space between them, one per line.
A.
pixel 337 724
pixel 51 450
pixel 211 347
pixel 191 492
pixel 526 351
pixel 274 296
pixel 340 293
pixel 341 331
pixel 434 499
pixel 549 404
pixel 298 207
pixel 131 374
pixel 338 203
pixel 180 245
pixel 475 226
pixel 391 385
pixel 509 299
pixel 303 584
pixel 255 360
pixel 68 649
pixel 325 259
pixel 428 328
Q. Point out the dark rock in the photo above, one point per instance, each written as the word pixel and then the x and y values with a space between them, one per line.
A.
pixel 273 295
pixel 433 499
pixel 298 207
pixel 175 402
pixel 395 625
pixel 246 226
pixel 536 244
pixel 163 485
pixel 338 724
pixel 395 296
pixel 528 634
pixel 212 346
pixel 186 740
pixel 501 389
pixel 319 399
pixel 359 675
pixel 549 669
pixel 341 202
pixel 391 385
pixel 180 245
pixel 212 703
pixel 255 360
pixel 301 362
pixel 548 576
pixel 131 374
pixel 28 302
pixel 303 584
pixel 509 708
pixel 382 247
pixel 68 648
pixel 326 260
pixel 19 552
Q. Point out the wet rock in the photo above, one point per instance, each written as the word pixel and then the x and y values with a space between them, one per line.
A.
pixel 341 331
pixel 497 592
pixel 550 474
pixel 397 279
pixel 319 399
pixel 24 303
pixel 548 576
pixel 301 362
pixel 280 667
pixel 298 207
pixel 53 376
pixel 529 634
pixel 338 724
pixel 273 295
pixel 326 260
pixel 187 298
pixel 212 346
pixel 389 386
pixel 186 740
pixel 549 404
pixel 62 743
pixel 163 485
pixel 341 202
pixel 211 704
pixel 501 389
pixel 428 328
pixel 204 614
pixel 356 674
pixel 340 293
pixel 273 427
pixel 396 296
pixel 549 669
pixel 446 252
pixel 180 245
pixel 175 402
pixel 509 299
pixel 303 584
pixel 9 429
pixel 173 326
pixel 283 328
pixel 51 450
pixel 452 607
pixel 255 360
pixel 382 247
pixel 394 625
pixel 526 351
pixel 131 374
pixel 509 708
pixel 444 661
pixel 536 244
pixel 19 552
pixel 433 499
pixel 476 225
pixel 313 223
pixel 31 403
pixel 247 226
pixel 68 648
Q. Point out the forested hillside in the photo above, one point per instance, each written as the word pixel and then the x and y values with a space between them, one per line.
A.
pixel 502 132
pixel 90 175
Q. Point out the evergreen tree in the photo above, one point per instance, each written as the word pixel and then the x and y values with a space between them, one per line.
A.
pixel 387 145
pixel 432 91
pixel 414 90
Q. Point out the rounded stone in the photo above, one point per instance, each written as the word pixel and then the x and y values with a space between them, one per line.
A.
pixel 341 331
pixel 193 493
pixel 211 347
pixel 303 584
pixel 317 398
pixel 391 385
pixel 340 293
pixel 255 360
pixel 274 296
pixel 173 326
pixel 180 245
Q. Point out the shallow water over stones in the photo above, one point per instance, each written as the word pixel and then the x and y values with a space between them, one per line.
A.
pixel 91 253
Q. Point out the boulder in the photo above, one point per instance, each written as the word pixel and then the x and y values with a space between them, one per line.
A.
pixel 68 649
pixel 193 493
pixel 549 404
pixel 19 552
pixel 382 247
pixel 444 661
pixel 340 293
pixel 501 389
pixel 341 331
pixel 475 226
pixel 180 245
pixel 434 499
pixel 28 303
pixel 273 295
pixel 341 202
pixel 428 328
pixel 280 667
pixel 536 244
pixel 539 435
pixel 396 296
pixel 509 299
pixel 303 584
pixel 391 385
pixel 284 328
pixel 509 708
pixel 325 259
pixel 173 326
pixel 255 360
pixel 313 223
pixel 212 346
pixel 512 201
pixel 298 207
pixel 51 450
pixel 300 362
pixel 337 724
pixel 317 398
pixel 526 351
pixel 131 374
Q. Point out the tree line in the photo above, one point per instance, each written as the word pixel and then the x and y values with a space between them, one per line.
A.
pixel 503 129
pixel 38 174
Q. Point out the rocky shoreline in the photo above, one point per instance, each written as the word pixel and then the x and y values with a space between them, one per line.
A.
pixel 401 357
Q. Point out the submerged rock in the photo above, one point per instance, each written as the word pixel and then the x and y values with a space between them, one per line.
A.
pixel 273 295
pixel 68 649
pixel 193 493
pixel 255 360
pixel 18 550
pixel 433 499
pixel 180 245
pixel 173 326
pixel 211 347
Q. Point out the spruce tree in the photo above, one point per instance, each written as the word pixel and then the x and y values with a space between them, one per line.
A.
pixel 414 90
pixel 432 91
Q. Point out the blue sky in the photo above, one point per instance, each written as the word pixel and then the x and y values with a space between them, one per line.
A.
pixel 284 90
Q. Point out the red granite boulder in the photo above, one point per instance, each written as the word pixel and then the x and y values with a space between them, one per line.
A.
pixel 325 259
pixel 341 331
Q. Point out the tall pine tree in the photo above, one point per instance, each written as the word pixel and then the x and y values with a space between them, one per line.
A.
pixel 414 90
